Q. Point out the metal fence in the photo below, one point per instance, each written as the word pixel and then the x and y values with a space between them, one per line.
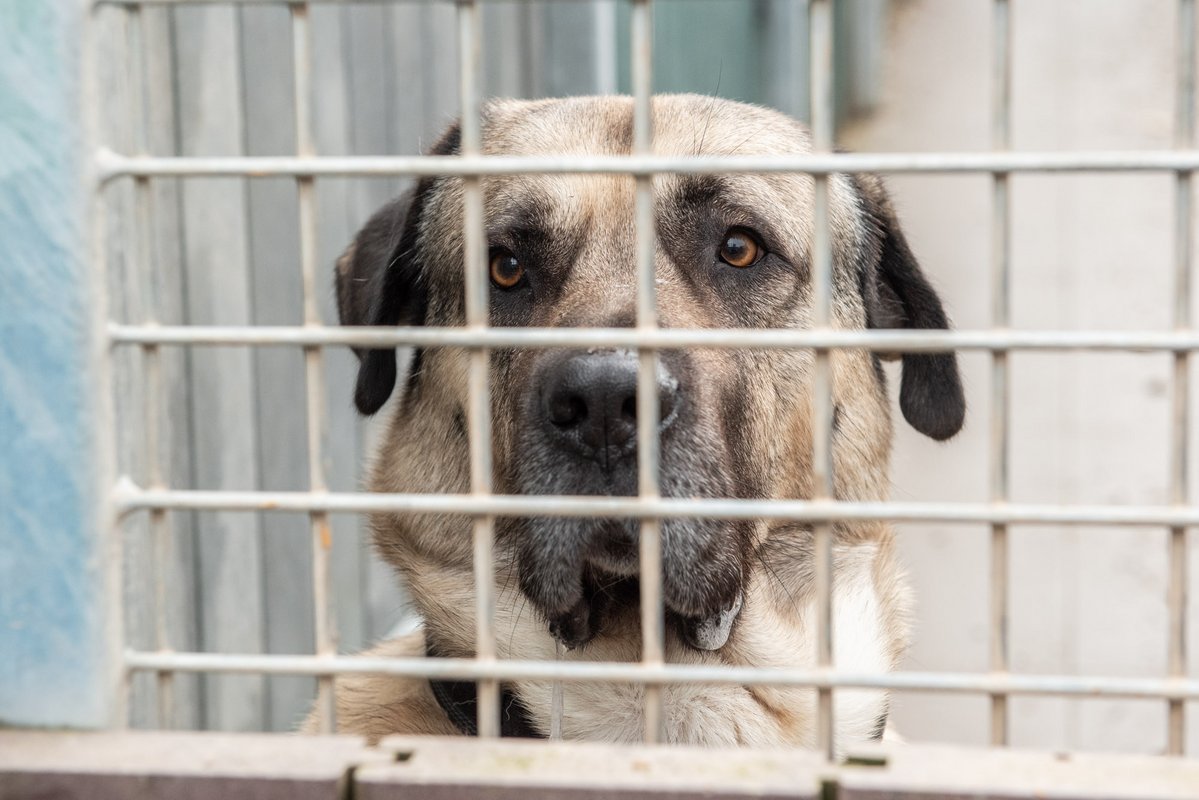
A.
pixel 306 166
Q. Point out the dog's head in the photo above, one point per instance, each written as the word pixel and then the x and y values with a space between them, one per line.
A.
pixel 732 251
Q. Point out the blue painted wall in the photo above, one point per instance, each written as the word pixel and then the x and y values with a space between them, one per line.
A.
pixel 51 664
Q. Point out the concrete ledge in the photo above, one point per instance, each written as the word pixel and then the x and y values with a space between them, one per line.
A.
pixel 945 773
pixel 463 769
pixel 177 766
pixel 204 766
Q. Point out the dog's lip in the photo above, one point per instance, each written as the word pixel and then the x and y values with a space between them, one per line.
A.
pixel 712 632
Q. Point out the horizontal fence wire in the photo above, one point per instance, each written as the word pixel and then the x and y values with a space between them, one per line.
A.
pixel 97 4
pixel 128 498
pixel 110 165
pixel 915 341
pixel 639 674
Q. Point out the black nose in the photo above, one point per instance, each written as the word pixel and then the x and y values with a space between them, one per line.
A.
pixel 589 403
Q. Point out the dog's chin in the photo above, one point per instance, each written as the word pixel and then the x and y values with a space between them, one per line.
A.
pixel 616 554
pixel 580 573
pixel 705 631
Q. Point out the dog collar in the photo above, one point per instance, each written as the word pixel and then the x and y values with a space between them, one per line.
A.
pixel 460 702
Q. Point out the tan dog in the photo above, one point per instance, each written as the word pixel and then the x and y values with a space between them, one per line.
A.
pixel 732 251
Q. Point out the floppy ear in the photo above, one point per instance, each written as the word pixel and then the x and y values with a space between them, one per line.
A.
pixel 380 281
pixel 897 295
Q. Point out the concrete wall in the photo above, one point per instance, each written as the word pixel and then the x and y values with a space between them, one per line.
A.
pixel 1088 252
pixel 51 620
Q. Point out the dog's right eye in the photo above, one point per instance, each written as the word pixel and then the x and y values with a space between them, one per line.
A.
pixel 506 270
pixel 741 248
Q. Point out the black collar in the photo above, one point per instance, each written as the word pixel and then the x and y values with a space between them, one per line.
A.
pixel 460 702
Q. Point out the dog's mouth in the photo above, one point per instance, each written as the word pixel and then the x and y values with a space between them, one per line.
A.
pixel 581 574
pixel 603 593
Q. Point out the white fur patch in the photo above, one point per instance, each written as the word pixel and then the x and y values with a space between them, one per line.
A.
pixel 859 646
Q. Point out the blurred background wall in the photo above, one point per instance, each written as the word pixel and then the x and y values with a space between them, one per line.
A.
pixel 1088 252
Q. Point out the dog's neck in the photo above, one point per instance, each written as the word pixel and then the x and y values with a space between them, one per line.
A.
pixel 460 702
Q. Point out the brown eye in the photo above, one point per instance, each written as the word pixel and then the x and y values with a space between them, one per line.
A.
pixel 506 271
pixel 740 249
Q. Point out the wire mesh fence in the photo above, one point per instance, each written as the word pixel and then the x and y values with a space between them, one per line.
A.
pixel 158 499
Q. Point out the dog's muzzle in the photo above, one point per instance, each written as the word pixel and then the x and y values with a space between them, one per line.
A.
pixel 580 437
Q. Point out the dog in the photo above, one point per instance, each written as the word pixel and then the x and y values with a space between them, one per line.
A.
pixel 731 252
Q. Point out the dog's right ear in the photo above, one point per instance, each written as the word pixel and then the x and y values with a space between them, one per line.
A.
pixel 381 281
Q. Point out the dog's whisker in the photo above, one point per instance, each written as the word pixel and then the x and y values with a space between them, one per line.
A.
pixel 782 585
pixel 509 572
pixel 711 109
pixel 524 601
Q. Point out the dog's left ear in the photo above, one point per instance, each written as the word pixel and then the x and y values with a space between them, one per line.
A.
pixel 897 295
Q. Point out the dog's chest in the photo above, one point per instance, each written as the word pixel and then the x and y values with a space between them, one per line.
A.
pixel 730 715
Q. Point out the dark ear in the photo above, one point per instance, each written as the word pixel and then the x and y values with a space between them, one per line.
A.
pixel 897 295
pixel 380 281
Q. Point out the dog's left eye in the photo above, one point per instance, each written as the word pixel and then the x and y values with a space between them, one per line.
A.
pixel 506 270
pixel 741 248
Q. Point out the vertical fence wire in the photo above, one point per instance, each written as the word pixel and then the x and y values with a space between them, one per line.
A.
pixel 474 260
pixel 100 360
pixel 143 219
pixel 650 541
pixel 1176 594
pixel 1000 389
pixel 317 421
pixel 823 483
